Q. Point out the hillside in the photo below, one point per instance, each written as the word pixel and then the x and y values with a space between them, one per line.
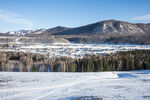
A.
pixel 106 27
pixel 103 28
pixel 108 31
pixel 110 39
pixel 19 32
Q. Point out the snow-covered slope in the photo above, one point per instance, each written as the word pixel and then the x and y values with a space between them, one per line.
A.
pixel 19 32
pixel 107 27
pixel 38 31
pixel 133 85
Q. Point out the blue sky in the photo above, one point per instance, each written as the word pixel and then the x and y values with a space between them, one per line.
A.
pixel 35 14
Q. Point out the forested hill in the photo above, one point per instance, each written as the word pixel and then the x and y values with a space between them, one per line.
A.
pixel 105 27
pixel 107 31
pixel 120 61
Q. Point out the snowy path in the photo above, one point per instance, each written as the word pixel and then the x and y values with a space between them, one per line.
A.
pixel 134 85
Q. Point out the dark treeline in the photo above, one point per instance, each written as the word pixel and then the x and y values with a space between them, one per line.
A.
pixel 111 39
pixel 120 61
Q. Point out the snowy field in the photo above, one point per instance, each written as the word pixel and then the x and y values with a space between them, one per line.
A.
pixel 132 85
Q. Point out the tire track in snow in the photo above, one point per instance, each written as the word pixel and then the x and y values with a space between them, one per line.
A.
pixel 39 90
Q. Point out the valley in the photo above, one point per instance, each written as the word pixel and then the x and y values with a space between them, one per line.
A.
pixel 59 47
pixel 74 50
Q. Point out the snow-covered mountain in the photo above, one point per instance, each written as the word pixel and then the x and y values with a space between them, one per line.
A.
pixel 19 32
pixel 50 30
pixel 107 27
pixel 38 31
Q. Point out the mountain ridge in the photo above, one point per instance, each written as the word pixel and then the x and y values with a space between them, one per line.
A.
pixel 106 27
pixel 19 32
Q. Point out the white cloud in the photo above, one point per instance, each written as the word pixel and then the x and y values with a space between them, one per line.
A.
pixel 11 17
pixel 142 18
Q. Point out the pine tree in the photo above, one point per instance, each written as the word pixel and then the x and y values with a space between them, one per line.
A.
pixel 101 65
pixel 125 65
pixel 34 69
pixel 131 64
pixel 147 62
pixel 71 67
pixel 105 64
pixel 137 62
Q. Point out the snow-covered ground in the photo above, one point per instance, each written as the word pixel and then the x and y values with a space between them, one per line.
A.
pixel 74 50
pixel 132 85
